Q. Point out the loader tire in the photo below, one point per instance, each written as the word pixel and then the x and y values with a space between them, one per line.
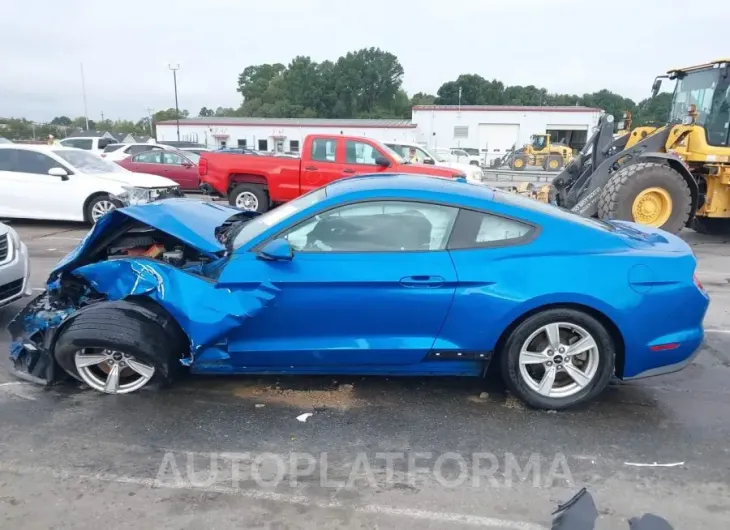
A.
pixel 553 163
pixel 519 163
pixel 647 193
pixel 709 225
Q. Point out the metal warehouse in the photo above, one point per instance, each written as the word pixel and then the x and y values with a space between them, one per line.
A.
pixel 495 129
pixel 490 129
pixel 279 134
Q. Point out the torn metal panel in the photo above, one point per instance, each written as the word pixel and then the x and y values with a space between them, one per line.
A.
pixel 205 313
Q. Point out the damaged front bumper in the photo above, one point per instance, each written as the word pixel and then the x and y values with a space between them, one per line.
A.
pixel 32 332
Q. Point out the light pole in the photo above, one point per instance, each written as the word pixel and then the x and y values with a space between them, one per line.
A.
pixel 175 67
pixel 149 119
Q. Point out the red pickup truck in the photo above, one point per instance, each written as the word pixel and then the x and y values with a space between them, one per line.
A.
pixel 257 183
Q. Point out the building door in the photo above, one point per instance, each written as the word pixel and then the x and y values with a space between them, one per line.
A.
pixel 498 138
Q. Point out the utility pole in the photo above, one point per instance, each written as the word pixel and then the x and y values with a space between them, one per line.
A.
pixel 459 112
pixel 149 119
pixel 83 91
pixel 102 118
pixel 175 68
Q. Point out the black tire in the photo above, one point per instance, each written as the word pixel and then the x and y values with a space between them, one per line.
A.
pixel 617 197
pixel 509 358
pixel 115 328
pixel 556 160
pixel 259 191
pixel 710 225
pixel 91 204
pixel 519 163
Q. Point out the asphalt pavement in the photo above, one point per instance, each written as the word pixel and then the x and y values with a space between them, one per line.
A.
pixel 375 453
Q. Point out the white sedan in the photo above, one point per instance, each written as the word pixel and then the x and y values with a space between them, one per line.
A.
pixel 58 183
pixel 115 152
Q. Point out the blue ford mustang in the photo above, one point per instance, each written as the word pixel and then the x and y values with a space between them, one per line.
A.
pixel 376 274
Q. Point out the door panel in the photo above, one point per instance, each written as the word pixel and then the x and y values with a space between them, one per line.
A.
pixel 342 309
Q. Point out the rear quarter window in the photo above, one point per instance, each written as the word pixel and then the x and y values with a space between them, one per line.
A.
pixel 475 229
pixel 548 209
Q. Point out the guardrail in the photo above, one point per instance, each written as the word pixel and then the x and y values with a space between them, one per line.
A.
pixel 509 175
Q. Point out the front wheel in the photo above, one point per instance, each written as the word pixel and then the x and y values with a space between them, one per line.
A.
pixel 519 163
pixel 98 207
pixel 558 358
pixel 115 351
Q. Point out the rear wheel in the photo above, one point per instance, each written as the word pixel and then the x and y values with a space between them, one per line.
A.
pixel 558 358
pixel 249 197
pixel 647 193
pixel 519 163
pixel 116 352
pixel 710 225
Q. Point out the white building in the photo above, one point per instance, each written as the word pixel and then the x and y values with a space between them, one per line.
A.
pixel 278 134
pixel 494 129
pixel 490 129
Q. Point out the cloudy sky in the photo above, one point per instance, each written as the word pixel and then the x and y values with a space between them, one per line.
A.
pixel 571 46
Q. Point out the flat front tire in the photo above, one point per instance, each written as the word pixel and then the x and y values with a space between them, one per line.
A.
pixel 558 358
pixel 116 351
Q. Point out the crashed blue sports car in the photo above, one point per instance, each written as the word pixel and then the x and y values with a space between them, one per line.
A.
pixel 375 274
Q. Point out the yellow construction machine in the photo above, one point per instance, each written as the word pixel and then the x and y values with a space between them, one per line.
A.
pixel 541 152
pixel 669 176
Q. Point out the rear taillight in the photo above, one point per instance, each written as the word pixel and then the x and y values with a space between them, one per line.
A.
pixel 203 167
pixel 697 281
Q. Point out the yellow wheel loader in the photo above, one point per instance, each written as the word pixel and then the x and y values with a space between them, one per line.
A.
pixel 669 176
pixel 541 152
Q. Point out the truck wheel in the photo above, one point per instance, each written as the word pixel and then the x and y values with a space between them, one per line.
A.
pixel 710 225
pixel 249 197
pixel 647 193
pixel 553 163
pixel 519 163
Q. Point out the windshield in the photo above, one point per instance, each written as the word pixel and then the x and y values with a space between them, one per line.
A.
pixel 709 91
pixel 389 151
pixel 256 226
pixel 86 162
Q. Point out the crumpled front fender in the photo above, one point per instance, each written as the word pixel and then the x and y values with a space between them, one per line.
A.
pixel 205 312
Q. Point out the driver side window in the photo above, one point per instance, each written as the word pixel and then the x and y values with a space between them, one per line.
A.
pixel 381 226
pixel 361 153
pixel 148 157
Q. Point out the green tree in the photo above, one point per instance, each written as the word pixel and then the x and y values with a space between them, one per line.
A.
pixel 421 98
pixel 205 112
pixel 653 111
pixel 169 114
pixel 61 120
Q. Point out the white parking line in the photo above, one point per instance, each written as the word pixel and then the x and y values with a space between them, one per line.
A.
pixel 301 500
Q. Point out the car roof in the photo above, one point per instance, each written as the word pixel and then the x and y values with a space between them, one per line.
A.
pixel 448 187
pixel 38 147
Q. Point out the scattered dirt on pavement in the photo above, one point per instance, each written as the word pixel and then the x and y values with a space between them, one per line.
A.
pixel 341 397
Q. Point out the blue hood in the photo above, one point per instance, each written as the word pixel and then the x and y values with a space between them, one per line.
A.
pixel 191 221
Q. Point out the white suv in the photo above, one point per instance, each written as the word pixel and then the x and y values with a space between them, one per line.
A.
pixel 52 182
pixel 87 143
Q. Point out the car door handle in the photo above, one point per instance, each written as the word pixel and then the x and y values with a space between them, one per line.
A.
pixel 310 168
pixel 422 281
pixel 348 171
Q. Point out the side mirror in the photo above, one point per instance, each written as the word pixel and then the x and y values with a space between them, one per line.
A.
pixel 382 161
pixel 655 87
pixel 58 172
pixel 277 250
pixel 429 161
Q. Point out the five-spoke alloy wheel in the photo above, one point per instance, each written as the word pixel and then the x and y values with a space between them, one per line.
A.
pixel 112 372
pixel 558 358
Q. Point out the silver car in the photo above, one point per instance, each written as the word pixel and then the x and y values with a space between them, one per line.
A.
pixel 14 267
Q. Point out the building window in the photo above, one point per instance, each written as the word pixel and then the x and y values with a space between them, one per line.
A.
pixel 242 143
pixel 223 143
pixel 294 146
pixel 461 131
pixel 263 145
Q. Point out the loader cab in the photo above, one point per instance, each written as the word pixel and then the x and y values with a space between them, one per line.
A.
pixel 702 97
pixel 540 142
